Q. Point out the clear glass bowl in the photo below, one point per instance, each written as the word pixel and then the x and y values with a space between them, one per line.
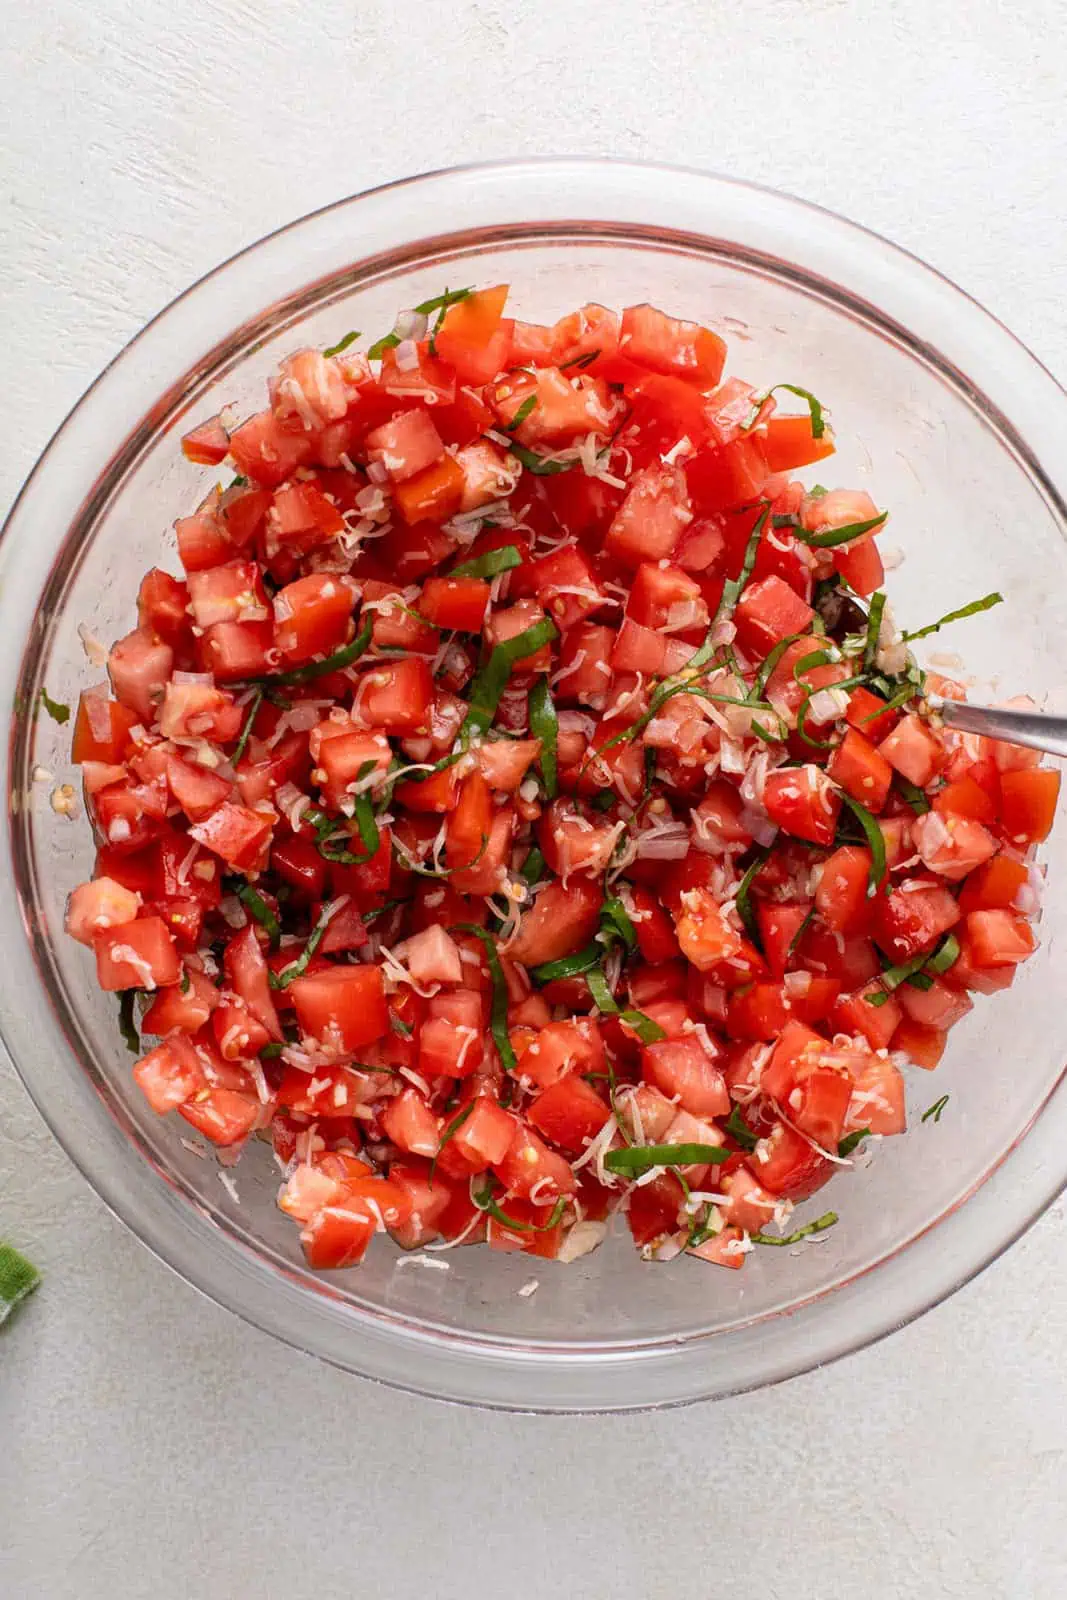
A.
pixel 938 411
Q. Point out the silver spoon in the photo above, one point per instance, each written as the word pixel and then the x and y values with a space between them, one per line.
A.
pixel 1032 728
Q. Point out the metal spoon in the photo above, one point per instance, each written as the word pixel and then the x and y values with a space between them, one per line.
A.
pixel 1031 728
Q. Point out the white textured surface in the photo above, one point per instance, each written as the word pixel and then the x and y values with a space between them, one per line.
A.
pixel 150 1445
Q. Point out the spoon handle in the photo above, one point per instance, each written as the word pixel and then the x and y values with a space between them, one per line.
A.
pixel 1031 728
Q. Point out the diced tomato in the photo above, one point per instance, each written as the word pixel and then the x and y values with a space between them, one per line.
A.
pixel 569 1114
pixel 803 802
pixel 665 344
pixel 923 1046
pixel 842 895
pixel 999 938
pixel 396 696
pixel 1028 804
pixel 136 955
pixel 790 442
pixel 861 770
pixel 313 616
pixel 995 886
pixel 471 338
pixel 432 495
pixel 866 715
pixel 683 1071
pixel 787 1165
pixel 183 1007
pixel 871 1011
pixel 346 1004
pixel 652 519
pixel 767 612
pixel 98 906
pixel 169 1075
pixel 267 452
pixel 913 917
pixel 913 750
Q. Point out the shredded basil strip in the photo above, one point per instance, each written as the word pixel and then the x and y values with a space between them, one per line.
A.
pixel 533 868
pixel 568 966
pixel 18 1278
pixel 258 908
pixel 490 565
pixel 56 709
pixel 733 590
pixel 380 911
pixel 739 1130
pixel 640 1158
pixel 648 1031
pixel 320 669
pixel 521 414
pixel 874 628
pixel 876 997
pixel 815 410
pixel 851 1140
pixel 744 903
pixel 484 1201
pixel 544 725
pixel 615 924
pixel 935 1110
pixel 270 1052
pixel 987 602
pixel 912 794
pixel 801 931
pixel 128 1024
pixel 875 841
pixel 453 1128
pixel 253 709
pixel 388 341
pixel 491 681
pixel 498 1016
pixel 770 661
pixel 297 968
pixel 894 976
pixel 820 1225
pixel 342 344
pixel 946 955
pixel 836 536
pixel 441 302
pixel 585 360
pixel 186 982
pixel 537 464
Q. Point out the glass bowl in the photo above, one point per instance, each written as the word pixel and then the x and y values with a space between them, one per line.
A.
pixel 938 411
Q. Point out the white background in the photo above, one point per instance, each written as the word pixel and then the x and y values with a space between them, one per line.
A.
pixel 151 1445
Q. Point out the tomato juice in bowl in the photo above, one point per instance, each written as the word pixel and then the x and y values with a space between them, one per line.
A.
pixel 596 1333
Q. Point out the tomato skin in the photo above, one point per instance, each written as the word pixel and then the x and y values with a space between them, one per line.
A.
pixel 458 603
pixel 768 611
pixel 665 344
pixel 1028 804
pixel 866 716
pixel 861 770
pixel 789 442
pixel 910 920
pixel 786 1165
pixel 559 922
pixel 841 895
pixel 994 886
pixel 683 1071
pixel 999 938
pixel 136 955
pixel 313 616
pixel 396 696
pixel 569 1114
pixel 802 802
pixel 338 1236
pixel 471 338
pixel 912 750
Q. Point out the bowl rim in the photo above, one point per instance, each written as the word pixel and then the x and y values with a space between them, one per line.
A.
pixel 552 1375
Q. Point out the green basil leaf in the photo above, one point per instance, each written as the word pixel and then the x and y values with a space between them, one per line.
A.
pixel 522 413
pixel 453 1128
pixel 874 628
pixel 490 565
pixel 875 842
pixel 945 956
pixel 935 1110
pixel 820 1225
pixel 815 410
pixel 491 681
pixel 321 669
pixel 537 464
pixel 544 725
pixel 342 344
pixel 242 742
pixel 739 1130
pixel 640 1158
pixel 56 709
pixel 568 966
pixel 987 602
pixel 837 536
pixel 388 341
pixel 498 1016
pixel 851 1140
pixel 743 901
